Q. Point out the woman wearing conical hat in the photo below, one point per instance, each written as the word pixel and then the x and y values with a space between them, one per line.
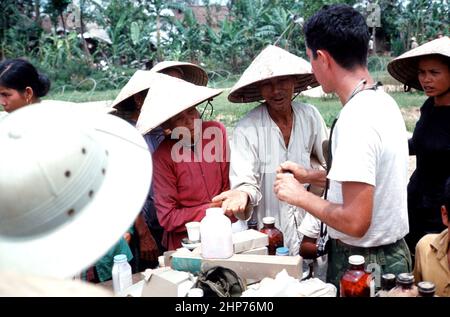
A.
pixel 278 130
pixel 427 68
pixel 128 104
pixel 130 99
pixel 190 165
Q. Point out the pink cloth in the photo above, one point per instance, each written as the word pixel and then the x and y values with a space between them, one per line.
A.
pixel 183 190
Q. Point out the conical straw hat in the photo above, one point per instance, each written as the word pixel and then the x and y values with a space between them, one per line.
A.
pixel 272 62
pixel 404 67
pixel 168 97
pixel 138 82
pixel 191 72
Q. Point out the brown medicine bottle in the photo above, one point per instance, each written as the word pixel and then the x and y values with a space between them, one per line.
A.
pixel 275 235
pixel 426 289
pixel 405 286
pixel 387 283
pixel 356 281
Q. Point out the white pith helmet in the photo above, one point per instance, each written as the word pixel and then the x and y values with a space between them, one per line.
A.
pixel 70 185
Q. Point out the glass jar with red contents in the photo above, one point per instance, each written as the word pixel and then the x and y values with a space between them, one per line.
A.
pixel 275 235
pixel 356 281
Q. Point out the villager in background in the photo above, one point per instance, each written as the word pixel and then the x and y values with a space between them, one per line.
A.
pixel 427 68
pixel 21 84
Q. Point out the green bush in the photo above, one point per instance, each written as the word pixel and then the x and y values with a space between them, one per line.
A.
pixel 397 46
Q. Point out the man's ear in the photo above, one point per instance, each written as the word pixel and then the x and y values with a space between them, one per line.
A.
pixel 323 57
pixel 444 213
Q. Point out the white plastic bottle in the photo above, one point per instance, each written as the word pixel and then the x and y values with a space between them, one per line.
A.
pixel 216 233
pixel 121 274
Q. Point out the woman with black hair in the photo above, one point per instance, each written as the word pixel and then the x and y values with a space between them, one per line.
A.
pixel 21 84
pixel 427 68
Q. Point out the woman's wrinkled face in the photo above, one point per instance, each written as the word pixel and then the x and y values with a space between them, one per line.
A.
pixel 278 91
pixel 186 119
pixel 434 76
pixel 12 99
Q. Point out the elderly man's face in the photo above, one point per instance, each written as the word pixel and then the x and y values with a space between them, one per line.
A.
pixel 278 91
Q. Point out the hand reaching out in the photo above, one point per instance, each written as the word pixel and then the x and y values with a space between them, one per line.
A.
pixel 233 202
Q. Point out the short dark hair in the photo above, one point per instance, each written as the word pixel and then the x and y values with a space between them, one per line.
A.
pixel 447 197
pixel 340 30
pixel 19 74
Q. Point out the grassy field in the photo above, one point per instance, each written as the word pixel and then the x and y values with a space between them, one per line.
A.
pixel 229 113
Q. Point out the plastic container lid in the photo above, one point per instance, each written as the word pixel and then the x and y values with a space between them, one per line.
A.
pixel 406 278
pixel 426 287
pixel 195 292
pixel 120 258
pixel 268 220
pixel 356 259
pixel 282 251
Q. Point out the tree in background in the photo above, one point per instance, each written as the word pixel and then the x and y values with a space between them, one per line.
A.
pixel 19 28
pixel 146 30
pixel 56 8
pixel 423 19
pixel 188 39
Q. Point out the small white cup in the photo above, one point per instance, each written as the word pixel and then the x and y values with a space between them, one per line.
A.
pixel 193 230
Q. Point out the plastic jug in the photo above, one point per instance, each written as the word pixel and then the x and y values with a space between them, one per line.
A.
pixel 216 233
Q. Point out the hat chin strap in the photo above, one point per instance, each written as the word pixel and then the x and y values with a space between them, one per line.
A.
pixel 208 104
pixel 64 203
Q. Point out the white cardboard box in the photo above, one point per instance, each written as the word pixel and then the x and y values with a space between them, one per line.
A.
pixel 165 282
pixel 258 251
pixel 257 267
pixel 249 240
pixel 248 266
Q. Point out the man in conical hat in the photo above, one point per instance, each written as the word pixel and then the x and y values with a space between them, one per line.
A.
pixel 279 129
pixel 190 165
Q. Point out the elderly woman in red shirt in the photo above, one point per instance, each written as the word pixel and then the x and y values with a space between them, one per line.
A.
pixel 191 165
